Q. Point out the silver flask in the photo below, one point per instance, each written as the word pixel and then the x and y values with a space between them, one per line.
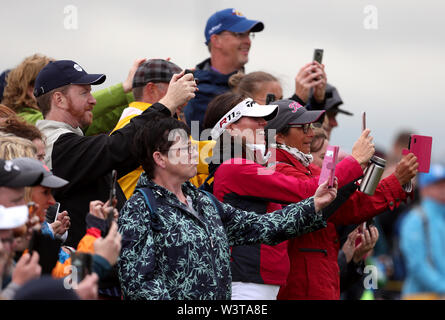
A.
pixel 372 175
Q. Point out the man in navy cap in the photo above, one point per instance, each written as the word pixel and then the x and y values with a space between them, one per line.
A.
pixel 228 35
pixel 63 92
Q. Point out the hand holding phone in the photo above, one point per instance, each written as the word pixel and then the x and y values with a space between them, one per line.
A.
pixel 191 71
pixel 110 213
pixel 113 187
pixel 328 167
pixel 48 249
pixel 369 223
pixel 83 264
pixel 421 147
pixel 57 209
pixel 318 55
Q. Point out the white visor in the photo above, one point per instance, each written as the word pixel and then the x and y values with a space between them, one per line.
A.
pixel 13 217
pixel 246 108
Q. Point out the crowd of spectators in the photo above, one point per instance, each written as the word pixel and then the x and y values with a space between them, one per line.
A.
pixel 202 183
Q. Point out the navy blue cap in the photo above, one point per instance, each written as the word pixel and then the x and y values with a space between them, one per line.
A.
pixel 230 20
pixel 60 73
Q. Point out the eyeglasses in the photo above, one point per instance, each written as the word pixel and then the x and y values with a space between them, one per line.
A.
pixel 241 35
pixel 306 126
pixel 190 148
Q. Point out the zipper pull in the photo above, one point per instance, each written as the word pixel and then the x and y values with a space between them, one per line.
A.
pixel 211 242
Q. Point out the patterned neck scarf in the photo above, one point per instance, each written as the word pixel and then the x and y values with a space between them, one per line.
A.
pixel 305 159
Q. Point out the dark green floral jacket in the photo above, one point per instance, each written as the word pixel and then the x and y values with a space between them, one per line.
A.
pixel 172 254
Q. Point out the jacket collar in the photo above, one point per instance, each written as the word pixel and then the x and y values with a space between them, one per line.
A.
pixel 286 157
pixel 207 66
pixel 52 125
pixel 167 195
pixel 140 105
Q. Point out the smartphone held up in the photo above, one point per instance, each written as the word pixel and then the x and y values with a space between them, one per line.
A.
pixel 318 55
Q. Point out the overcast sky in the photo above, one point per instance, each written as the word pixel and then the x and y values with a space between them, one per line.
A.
pixel 385 57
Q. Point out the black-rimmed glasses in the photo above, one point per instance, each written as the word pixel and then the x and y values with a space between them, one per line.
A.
pixel 306 126
pixel 190 148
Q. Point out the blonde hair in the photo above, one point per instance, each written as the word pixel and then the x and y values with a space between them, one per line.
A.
pixel 19 79
pixel 12 147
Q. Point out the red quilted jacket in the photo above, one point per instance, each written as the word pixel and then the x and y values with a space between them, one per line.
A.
pixel 314 272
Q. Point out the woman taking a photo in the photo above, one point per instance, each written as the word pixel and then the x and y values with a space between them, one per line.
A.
pixel 314 272
pixel 237 124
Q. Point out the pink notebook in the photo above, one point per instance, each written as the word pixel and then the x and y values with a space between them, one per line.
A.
pixel 328 168
pixel 421 147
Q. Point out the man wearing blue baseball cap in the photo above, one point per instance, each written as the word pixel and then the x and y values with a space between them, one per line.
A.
pixel 422 239
pixel 228 35
pixel 63 93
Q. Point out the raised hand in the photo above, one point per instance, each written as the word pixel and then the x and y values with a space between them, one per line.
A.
pixel 110 247
pixel 27 268
pixel 363 148
pixel 406 169
pixel 311 76
pixel 88 288
pixel 128 83
pixel 324 195
pixel 369 239
pixel 180 90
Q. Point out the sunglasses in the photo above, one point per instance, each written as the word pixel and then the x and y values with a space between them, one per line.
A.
pixel 306 126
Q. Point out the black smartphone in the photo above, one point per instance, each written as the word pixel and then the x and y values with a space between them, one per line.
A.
pixel 270 98
pixel 369 223
pixel 318 55
pixel 83 262
pixel 113 187
pixel 52 212
pixel 190 71
pixel 110 215
pixel 48 249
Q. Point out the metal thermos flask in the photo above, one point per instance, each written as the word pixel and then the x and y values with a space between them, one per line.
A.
pixel 372 175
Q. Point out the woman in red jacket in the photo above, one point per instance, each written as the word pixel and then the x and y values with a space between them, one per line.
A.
pixel 314 271
pixel 237 124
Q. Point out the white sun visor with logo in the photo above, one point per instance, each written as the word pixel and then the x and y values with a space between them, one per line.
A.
pixel 246 108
